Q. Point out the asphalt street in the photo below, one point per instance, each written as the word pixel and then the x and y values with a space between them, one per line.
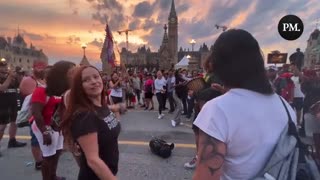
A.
pixel 136 160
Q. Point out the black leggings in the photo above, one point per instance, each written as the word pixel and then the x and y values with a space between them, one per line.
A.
pixel 160 98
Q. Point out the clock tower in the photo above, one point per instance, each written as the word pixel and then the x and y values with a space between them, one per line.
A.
pixel 173 33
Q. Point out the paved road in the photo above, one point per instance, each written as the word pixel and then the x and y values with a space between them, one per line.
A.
pixel 136 160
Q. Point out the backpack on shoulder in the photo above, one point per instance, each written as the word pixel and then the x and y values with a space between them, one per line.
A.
pixel 290 159
pixel 24 114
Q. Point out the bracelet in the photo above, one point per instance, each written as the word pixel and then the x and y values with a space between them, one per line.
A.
pixel 46 133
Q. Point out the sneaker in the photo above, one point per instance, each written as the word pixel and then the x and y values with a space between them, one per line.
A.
pixel 191 164
pixel 160 116
pixel 173 123
pixel 13 143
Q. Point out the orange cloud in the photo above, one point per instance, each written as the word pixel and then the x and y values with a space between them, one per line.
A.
pixel 241 17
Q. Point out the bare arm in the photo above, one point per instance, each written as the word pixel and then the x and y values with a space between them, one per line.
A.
pixel 113 85
pixel 211 157
pixel 36 109
pixel 4 86
pixel 117 109
pixel 89 145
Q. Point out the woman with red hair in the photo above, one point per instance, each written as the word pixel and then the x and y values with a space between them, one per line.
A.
pixel 91 124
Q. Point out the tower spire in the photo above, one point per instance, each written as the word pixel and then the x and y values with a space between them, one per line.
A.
pixel 173 13
pixel 165 36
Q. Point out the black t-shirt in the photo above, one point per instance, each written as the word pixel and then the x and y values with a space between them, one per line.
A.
pixel 108 128
pixel 181 89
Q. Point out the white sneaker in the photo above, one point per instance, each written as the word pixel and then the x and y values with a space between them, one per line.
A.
pixel 159 117
pixel 162 115
pixel 191 164
pixel 173 123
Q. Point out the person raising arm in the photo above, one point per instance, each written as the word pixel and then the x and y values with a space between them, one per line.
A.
pixel 4 86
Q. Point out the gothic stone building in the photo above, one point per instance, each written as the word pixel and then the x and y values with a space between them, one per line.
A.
pixel 167 55
pixel 312 53
pixel 16 53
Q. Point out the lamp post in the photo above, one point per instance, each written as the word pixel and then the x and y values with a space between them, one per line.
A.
pixel 192 42
pixel 84 46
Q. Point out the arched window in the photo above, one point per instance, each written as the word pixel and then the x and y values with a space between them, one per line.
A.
pixel 19 60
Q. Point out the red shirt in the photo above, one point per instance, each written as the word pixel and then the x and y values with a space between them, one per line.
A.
pixel 39 96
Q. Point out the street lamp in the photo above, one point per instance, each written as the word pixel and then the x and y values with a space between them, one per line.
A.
pixel 192 42
pixel 3 60
pixel 188 56
pixel 84 46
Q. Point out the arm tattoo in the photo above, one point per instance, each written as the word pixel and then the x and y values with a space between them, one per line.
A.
pixel 210 155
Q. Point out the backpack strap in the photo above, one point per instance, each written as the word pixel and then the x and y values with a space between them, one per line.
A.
pixel 292 130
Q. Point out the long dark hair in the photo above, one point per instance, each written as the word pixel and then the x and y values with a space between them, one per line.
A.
pixel 57 79
pixel 238 62
pixel 78 102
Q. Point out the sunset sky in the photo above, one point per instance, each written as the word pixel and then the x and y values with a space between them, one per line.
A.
pixel 59 27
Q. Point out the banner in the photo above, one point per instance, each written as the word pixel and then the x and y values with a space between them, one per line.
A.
pixel 277 58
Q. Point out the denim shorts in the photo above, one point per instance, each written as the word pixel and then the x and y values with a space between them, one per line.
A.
pixel 34 141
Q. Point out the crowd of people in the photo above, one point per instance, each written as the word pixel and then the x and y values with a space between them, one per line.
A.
pixel 79 108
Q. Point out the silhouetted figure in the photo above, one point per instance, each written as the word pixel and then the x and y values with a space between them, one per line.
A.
pixel 297 59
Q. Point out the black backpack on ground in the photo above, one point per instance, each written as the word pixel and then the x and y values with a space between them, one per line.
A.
pixel 160 147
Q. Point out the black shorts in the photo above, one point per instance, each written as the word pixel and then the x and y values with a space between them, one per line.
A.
pixel 116 100
pixel 8 108
pixel 8 115
pixel 297 104
pixel 148 95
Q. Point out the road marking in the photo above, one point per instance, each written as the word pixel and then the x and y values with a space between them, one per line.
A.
pixel 136 143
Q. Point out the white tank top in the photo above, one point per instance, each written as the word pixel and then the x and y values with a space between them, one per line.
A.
pixel 297 87
pixel 116 92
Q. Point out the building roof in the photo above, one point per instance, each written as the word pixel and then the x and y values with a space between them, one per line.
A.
pixel 315 34
pixel 84 61
pixel 3 43
pixel 173 13
pixel 19 41
pixel 165 35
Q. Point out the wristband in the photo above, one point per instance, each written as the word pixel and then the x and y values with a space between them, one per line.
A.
pixel 46 133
